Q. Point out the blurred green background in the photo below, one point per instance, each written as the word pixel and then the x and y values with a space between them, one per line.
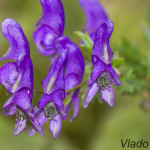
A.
pixel 98 127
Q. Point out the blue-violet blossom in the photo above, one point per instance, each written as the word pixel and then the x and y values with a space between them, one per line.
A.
pixel 17 77
pixel 102 74
pixel 50 106
pixel 49 42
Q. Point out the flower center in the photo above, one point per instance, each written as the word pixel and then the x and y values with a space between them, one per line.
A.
pixel 20 114
pixel 103 81
pixel 50 111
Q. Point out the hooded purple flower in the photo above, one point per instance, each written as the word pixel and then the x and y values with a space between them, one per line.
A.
pixel 50 106
pixel 74 70
pixel 17 77
pixel 103 74
pixel 51 26
pixel 95 15
pixel 50 42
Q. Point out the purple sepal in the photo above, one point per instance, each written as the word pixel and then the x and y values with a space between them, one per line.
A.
pixel 51 26
pixel 55 126
pixel 90 94
pixel 18 44
pixel 95 15
pixel 107 95
pixel 53 15
pixel 75 100
pixel 44 38
pixel 101 48
pixel 23 101
pixel 41 119
pixel 8 75
pixel 55 77
pixel 20 126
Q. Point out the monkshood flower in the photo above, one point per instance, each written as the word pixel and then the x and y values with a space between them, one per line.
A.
pixel 51 26
pixel 95 15
pixel 50 106
pixel 17 77
pixel 103 74
pixel 74 70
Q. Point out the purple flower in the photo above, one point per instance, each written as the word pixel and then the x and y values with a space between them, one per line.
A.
pixel 95 15
pixel 101 77
pixel 50 41
pixel 51 26
pixel 103 74
pixel 74 70
pixel 17 77
pixel 50 106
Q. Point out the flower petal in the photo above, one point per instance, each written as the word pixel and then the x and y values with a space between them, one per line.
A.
pixel 44 100
pixel 113 76
pixel 101 48
pixel 44 38
pixel 37 125
pixel 8 75
pixel 55 126
pixel 24 101
pixel 95 15
pixel 74 67
pixel 25 74
pixel 18 43
pixel 53 15
pixel 76 108
pixel 90 94
pixel 41 119
pixel 20 126
pixel 63 114
pixel 57 99
pixel 10 111
pixel 55 77
pixel 98 68
pixel 107 95
pixel 8 104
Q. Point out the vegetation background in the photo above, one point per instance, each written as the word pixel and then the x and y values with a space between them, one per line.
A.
pixel 98 127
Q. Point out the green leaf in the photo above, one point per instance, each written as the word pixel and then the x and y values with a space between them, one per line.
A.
pixel 130 83
pixel 117 61
pixel 87 41
pixel 116 70
pixel 130 52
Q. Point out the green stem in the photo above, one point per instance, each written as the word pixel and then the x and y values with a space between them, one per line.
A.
pixel 35 91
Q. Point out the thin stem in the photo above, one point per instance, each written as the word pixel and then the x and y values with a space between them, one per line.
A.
pixel 35 91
